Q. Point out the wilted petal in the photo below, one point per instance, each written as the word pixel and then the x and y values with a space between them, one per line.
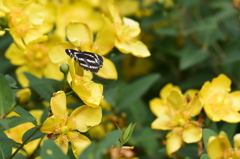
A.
pixel 108 71
pixel 158 107
pixel 104 41
pixel 58 104
pixel 162 123
pixel 139 49
pixel 192 132
pixel 222 83
pixel 84 117
pixel 80 35
pixel 58 55
pixel 174 142
pixel 79 142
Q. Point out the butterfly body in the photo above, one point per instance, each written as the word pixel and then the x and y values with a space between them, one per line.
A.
pixel 87 60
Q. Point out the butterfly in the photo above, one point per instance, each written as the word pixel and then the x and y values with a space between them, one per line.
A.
pixel 87 60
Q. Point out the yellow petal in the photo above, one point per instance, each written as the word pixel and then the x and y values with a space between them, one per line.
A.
pixel 84 117
pixel 108 71
pixel 236 139
pixel 165 91
pixel 62 142
pixel 24 95
pixel 134 28
pixel 139 49
pixel 96 95
pixel 79 35
pixel 205 91
pixel 122 46
pixel 58 104
pixel 174 142
pixel 236 100
pixel 195 105
pixel 52 71
pixel 158 107
pixel 15 55
pixel 58 55
pixel 192 132
pixel 232 117
pixel 75 69
pixel 222 83
pixel 162 123
pixel 36 13
pixel 51 125
pixel 212 115
pixel 104 41
pixel 113 10
pixel 79 142
pixel 176 100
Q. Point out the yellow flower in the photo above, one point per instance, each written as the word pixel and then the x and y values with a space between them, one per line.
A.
pixel 81 37
pixel 77 11
pixel 176 116
pixel 25 20
pixel 65 128
pixel 126 31
pixel 219 103
pixel 34 59
pixel 16 133
pixel 220 148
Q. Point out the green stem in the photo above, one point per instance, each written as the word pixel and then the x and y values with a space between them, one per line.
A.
pixel 70 93
pixel 65 82
pixel 20 147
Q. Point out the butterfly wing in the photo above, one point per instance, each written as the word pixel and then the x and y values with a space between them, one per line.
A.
pixel 87 60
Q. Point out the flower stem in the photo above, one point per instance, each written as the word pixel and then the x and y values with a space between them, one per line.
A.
pixel 20 147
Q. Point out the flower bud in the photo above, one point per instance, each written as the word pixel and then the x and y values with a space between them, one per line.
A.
pixel 64 68
pixel 23 96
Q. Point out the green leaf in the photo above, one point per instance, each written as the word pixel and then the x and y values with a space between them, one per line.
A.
pixel 37 135
pixel 229 129
pixel 191 56
pixel 50 150
pixel 5 139
pixel 134 91
pixel 206 134
pixel 42 86
pixel 5 150
pixel 7 123
pixel 128 132
pixel 204 156
pixel 6 96
pixel 95 151
pixel 23 112
pixel 12 82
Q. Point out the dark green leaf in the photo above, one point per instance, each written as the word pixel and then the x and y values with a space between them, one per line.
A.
pixel 5 139
pixel 229 129
pixel 204 156
pixel 206 134
pixel 6 96
pixel 191 56
pixel 7 123
pixel 50 150
pixel 5 150
pixel 128 132
pixel 23 112
pixel 108 141
pixel 89 152
pixel 42 86
pixel 12 82
pixel 36 135
pixel 134 91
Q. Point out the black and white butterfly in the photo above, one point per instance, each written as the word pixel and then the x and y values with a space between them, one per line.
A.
pixel 87 60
